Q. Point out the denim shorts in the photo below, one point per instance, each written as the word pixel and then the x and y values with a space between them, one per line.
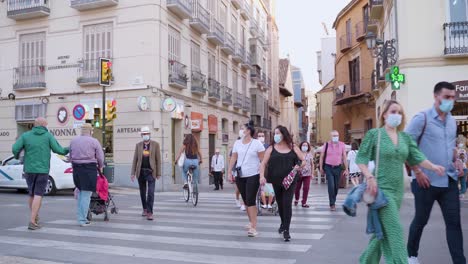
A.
pixel 37 183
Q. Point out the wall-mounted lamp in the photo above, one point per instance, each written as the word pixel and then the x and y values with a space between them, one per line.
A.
pixel 380 49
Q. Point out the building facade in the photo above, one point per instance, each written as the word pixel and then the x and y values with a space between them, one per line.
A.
pixel 324 112
pixel 300 101
pixel 289 111
pixel 442 56
pixel 178 66
pixel 354 103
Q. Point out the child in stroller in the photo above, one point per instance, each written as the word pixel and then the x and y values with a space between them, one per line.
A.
pixel 266 199
pixel 101 200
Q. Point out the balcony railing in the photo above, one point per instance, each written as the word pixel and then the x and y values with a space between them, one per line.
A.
pixel 226 95
pixel 361 30
pixel 29 77
pixel 345 42
pixel 238 100
pixel 88 72
pixel 247 61
pixel 91 4
pixel 182 8
pixel 247 104
pixel 263 79
pixel 376 8
pixel 198 83
pixel 456 38
pixel 256 74
pixel 239 54
pixel 229 46
pixel 213 90
pixel 200 18
pixel 25 9
pixel 216 34
pixel 177 74
pixel 373 26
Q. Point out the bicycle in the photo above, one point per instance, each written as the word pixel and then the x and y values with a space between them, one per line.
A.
pixel 192 187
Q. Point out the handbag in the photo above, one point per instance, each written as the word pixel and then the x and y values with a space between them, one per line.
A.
pixel 288 180
pixel 238 170
pixel 181 160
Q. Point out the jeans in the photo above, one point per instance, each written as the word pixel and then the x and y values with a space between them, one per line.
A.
pixel 218 179
pixel 449 203
pixel 146 182
pixel 462 181
pixel 284 199
pixel 84 198
pixel 303 181
pixel 333 179
pixel 196 171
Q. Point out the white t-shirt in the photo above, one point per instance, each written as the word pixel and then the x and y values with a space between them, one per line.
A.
pixel 251 164
pixel 353 167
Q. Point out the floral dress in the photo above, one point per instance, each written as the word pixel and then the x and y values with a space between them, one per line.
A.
pixel 390 181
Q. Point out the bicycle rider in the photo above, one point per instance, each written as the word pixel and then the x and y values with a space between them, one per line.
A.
pixel 193 157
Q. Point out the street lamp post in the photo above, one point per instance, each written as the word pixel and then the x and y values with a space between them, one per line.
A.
pixel 386 51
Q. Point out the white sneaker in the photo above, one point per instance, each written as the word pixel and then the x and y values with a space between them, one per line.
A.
pixel 270 207
pixel 252 233
pixel 238 204
pixel 413 260
pixel 264 206
pixel 242 207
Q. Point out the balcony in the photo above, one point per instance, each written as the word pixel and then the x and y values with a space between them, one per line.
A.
pixel 373 26
pixel 266 123
pixel 83 5
pixel 256 74
pixel 29 77
pixel 376 8
pixel 226 95
pixel 345 43
pixel 247 61
pixel 247 104
pixel 268 84
pixel 238 101
pixel 216 34
pixel 198 83
pixel 200 20
pixel 238 56
pixel 262 80
pixel 355 93
pixel 261 37
pixel 26 9
pixel 361 30
pixel 253 28
pixel 88 73
pixel 237 3
pixel 177 74
pixel 213 90
pixel 182 8
pixel 229 46
pixel 456 39
pixel 245 10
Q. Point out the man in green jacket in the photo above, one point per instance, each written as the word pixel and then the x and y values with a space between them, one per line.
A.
pixel 37 145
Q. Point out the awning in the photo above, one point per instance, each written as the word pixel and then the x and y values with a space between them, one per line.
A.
pixel 212 124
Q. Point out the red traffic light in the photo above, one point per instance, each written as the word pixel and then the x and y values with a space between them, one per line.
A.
pixel 114 102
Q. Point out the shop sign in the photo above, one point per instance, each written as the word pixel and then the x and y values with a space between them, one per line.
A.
pixel 196 123
pixel 395 78
pixel 168 104
pixel 212 124
pixel 128 130
pixel 4 133
pixel 461 90
pixel 62 115
pixel 63 132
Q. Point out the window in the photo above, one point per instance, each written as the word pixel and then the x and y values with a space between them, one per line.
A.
pixel 348 32
pixel 458 10
pixel 212 8
pixel 347 134
pixel 235 126
pixel 32 54
pixel 393 96
pixel 195 56
pixel 174 44
pixel 211 66
pixel 365 15
pixel 224 73
pixel 368 125
pixel 235 80
pixel 244 86
pixel 354 76
pixel 97 43
pixel 242 37
pixel 222 18
pixel 296 75
pixel 234 26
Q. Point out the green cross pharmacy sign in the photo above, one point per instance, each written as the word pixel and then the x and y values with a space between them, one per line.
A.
pixel 395 78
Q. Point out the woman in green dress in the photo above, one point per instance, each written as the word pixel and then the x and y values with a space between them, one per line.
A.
pixel 396 147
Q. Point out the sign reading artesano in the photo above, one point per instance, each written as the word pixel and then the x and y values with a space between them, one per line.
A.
pixel 461 90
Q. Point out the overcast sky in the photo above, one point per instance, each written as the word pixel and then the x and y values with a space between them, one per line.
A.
pixel 300 29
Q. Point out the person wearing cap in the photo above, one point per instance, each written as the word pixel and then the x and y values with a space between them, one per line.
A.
pixel 37 145
pixel 217 169
pixel 86 156
pixel 146 168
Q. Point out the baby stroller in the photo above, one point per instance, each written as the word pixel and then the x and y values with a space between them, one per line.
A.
pixel 269 194
pixel 101 200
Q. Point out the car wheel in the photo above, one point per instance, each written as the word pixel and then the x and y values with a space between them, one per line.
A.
pixel 50 187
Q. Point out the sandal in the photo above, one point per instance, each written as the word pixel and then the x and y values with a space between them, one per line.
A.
pixel 305 206
pixel 248 226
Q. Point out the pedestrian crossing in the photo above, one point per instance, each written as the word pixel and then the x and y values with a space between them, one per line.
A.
pixel 212 232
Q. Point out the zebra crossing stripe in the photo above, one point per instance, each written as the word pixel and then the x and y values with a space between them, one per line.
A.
pixel 171 240
pixel 262 225
pixel 139 252
pixel 193 214
pixel 185 230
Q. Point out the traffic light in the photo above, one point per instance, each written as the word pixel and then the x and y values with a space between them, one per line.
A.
pixel 97 118
pixel 105 69
pixel 111 110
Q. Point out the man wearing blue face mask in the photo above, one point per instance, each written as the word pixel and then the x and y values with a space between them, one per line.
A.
pixel 435 132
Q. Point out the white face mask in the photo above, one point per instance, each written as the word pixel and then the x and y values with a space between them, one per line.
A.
pixel 241 134
pixel 461 145
pixel 146 137
pixel 335 139
pixel 304 148
pixel 262 139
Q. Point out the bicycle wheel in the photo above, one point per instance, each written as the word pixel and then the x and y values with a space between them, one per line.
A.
pixel 186 193
pixel 195 195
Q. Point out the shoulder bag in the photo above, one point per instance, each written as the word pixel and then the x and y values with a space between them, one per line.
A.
pixel 238 169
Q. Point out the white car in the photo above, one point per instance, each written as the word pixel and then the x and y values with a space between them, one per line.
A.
pixel 60 175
